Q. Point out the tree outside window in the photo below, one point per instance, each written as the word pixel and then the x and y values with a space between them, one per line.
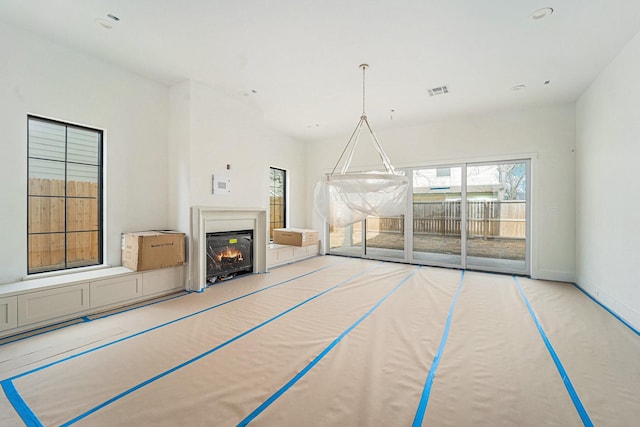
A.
pixel 277 199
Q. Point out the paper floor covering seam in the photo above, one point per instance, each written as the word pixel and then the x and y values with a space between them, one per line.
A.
pixel 26 414
pixel 426 391
pixel 319 357
pixel 40 368
pixel 77 320
pixel 210 351
pixel 577 403
pixel 613 313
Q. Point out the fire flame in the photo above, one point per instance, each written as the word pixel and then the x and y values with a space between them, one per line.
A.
pixel 231 254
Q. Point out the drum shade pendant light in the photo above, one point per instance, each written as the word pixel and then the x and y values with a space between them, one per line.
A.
pixel 344 197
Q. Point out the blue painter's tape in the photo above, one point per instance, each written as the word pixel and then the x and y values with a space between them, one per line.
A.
pixel 21 407
pixel 44 329
pixel 319 357
pixel 428 384
pixel 613 313
pixel 50 328
pixel 208 352
pixel 170 322
pixel 584 416
pixel 140 306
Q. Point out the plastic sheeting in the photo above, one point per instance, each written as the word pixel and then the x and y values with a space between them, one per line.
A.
pixel 346 198
pixel 343 199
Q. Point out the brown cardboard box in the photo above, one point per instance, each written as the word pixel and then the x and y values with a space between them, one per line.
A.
pixel 295 236
pixel 146 250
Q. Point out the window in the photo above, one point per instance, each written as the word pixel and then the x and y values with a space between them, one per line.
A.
pixel 64 214
pixel 277 199
pixel 440 172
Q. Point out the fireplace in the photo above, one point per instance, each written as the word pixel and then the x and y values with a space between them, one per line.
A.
pixel 229 254
pixel 209 219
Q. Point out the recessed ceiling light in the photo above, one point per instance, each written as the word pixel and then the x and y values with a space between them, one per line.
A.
pixel 518 87
pixel 541 13
pixel 104 23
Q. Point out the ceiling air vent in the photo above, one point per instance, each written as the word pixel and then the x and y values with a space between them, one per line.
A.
pixel 440 90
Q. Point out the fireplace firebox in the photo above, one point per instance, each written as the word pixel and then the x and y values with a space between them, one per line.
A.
pixel 229 253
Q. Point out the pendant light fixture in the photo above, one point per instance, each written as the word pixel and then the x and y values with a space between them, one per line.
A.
pixel 345 197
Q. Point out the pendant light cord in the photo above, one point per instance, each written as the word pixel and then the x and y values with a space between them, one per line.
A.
pixel 364 68
pixel 349 149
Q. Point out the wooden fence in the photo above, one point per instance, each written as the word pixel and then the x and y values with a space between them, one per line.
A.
pixel 276 213
pixel 485 218
pixel 48 213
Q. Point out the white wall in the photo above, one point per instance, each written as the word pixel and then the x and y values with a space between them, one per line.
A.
pixel 161 144
pixel 180 156
pixel 227 131
pixel 210 130
pixel 548 133
pixel 156 171
pixel 215 129
pixel 41 78
pixel 608 199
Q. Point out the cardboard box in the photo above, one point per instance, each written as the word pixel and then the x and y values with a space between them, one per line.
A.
pixel 147 250
pixel 295 236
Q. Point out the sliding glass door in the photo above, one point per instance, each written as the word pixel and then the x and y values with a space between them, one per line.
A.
pixel 437 216
pixel 384 237
pixel 497 200
pixel 346 240
pixel 470 216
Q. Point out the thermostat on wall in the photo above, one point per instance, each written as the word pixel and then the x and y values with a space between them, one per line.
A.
pixel 220 184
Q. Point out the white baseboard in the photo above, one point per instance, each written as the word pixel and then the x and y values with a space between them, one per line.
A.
pixel 554 275
pixel 615 306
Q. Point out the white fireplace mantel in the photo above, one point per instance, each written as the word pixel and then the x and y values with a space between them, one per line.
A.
pixel 205 219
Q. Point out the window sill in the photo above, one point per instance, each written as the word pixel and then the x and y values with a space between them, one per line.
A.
pixel 65 272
